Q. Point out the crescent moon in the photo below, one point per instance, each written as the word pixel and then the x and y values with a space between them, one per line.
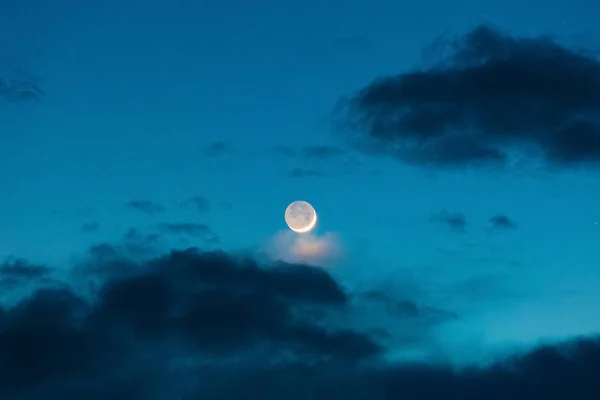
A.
pixel 309 227
pixel 300 216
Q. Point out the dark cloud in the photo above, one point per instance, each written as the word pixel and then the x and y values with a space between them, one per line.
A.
pixel 146 206
pixel 17 272
pixel 306 173
pixel 548 373
pixel 501 221
pixel 214 304
pixel 311 152
pixel 217 148
pixel 134 242
pixel 90 227
pixel 455 221
pixel 496 99
pixel 191 325
pixel 22 270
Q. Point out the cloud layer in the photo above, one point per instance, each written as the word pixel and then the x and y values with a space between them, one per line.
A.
pixel 191 324
pixel 496 100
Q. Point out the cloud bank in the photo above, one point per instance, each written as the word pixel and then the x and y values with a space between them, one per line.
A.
pixel 495 101
pixel 193 325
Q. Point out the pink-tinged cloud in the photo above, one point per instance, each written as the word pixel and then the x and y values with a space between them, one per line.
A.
pixel 307 248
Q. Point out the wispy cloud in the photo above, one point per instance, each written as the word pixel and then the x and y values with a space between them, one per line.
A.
pixel 146 206
pixel 455 221
pixel 502 222
pixel 200 203
pixel 19 272
pixel 218 148
pixel 190 229
pixel 22 269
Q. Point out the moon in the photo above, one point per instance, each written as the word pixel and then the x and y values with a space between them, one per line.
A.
pixel 300 216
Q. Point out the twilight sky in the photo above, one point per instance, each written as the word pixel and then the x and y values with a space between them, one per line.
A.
pixel 148 151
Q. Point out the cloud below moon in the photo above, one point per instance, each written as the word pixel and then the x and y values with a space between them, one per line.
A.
pixel 309 248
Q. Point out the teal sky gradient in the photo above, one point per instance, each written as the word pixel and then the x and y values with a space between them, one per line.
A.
pixel 136 94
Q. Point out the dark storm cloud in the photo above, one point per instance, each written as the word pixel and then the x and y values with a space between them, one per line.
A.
pixel 501 221
pixel 497 98
pixel 90 227
pixel 194 325
pixel 310 152
pixel 146 206
pixel 214 304
pixel 306 173
pixel 455 221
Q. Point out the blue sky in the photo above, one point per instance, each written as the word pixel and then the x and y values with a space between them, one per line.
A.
pixel 136 95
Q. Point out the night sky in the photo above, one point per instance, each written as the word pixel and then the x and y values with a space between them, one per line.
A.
pixel 149 149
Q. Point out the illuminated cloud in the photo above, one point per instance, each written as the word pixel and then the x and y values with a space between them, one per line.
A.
pixel 308 248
